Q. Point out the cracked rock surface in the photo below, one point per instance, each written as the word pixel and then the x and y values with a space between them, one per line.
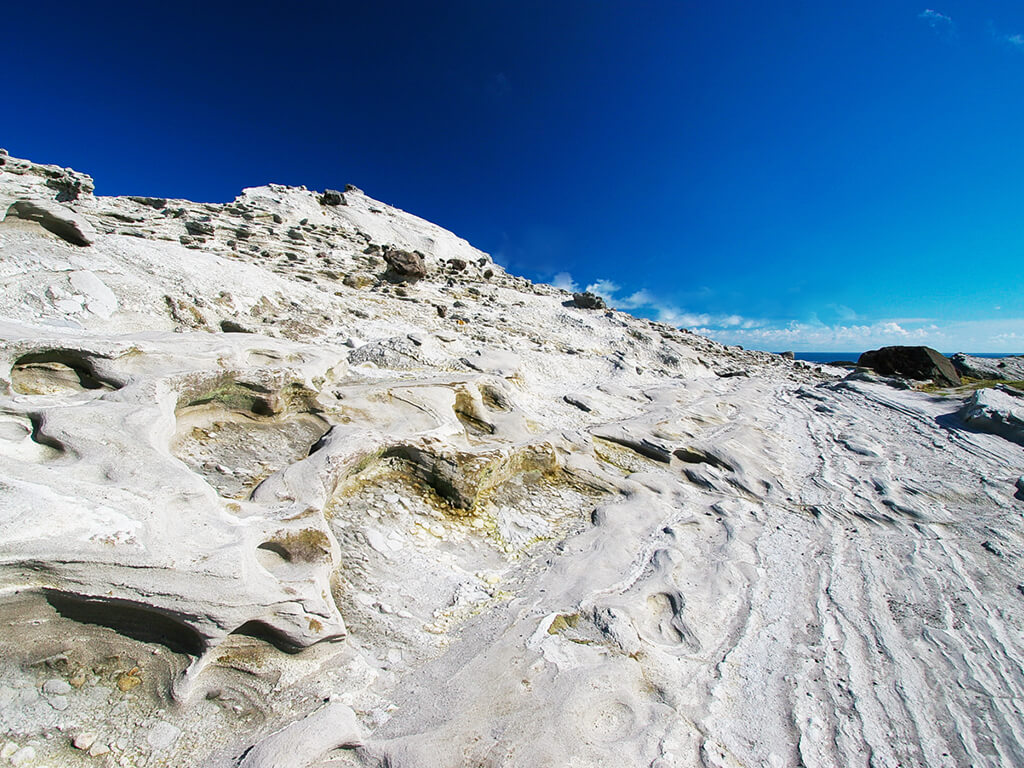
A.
pixel 262 504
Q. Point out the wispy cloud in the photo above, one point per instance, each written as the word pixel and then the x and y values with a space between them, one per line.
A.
pixel 605 288
pixel 940 23
pixel 564 281
pixel 1015 41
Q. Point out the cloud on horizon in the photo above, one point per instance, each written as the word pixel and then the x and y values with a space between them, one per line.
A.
pixel 959 336
pixel 845 335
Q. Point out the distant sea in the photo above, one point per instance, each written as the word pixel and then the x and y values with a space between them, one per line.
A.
pixel 829 357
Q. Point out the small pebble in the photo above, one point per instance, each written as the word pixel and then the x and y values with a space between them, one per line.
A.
pixel 57 686
pixel 98 749
pixel 23 755
pixel 84 740
pixel 60 703
pixel 162 735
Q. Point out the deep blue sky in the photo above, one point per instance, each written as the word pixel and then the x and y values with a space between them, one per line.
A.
pixel 787 175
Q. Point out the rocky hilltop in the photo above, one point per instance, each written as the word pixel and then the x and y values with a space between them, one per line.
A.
pixel 304 480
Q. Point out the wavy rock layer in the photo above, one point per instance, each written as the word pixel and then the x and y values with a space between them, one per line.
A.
pixel 266 502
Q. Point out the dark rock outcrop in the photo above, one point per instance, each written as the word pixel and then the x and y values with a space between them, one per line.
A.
pixel 588 300
pixel 405 265
pixel 920 363
pixel 153 202
pixel 332 197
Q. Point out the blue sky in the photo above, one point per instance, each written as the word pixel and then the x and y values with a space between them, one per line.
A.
pixel 787 175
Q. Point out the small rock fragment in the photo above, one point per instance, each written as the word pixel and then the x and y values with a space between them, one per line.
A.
pixel 84 740
pixel 162 735
pixel 23 755
pixel 56 686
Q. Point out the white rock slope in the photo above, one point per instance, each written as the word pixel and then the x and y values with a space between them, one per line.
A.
pixel 264 503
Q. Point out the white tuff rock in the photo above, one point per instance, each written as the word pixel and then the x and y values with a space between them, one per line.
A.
pixel 260 505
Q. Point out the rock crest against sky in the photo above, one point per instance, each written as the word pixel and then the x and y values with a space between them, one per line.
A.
pixel 795 175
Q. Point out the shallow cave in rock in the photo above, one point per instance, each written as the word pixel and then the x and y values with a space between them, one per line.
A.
pixel 57 371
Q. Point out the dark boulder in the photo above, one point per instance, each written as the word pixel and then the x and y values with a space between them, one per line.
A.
pixel 920 363
pixel 588 300
pixel 199 228
pixel 152 202
pixel 405 265
pixel 332 197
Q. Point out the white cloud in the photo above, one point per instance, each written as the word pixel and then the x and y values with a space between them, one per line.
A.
pixel 941 24
pixel 846 335
pixel 935 19
pixel 605 288
pixel 641 298
pixel 564 281
pixel 963 336
pixel 1015 41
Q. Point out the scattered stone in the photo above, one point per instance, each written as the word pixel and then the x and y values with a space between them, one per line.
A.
pixel 230 326
pixel 357 280
pixel 199 228
pixel 23 755
pixel 57 686
pixel 128 681
pixel 919 363
pixel 84 740
pixel 98 749
pixel 332 197
pixel 153 202
pixel 579 401
pixel 588 300
pixel 162 735
pixel 787 355
pixel 405 265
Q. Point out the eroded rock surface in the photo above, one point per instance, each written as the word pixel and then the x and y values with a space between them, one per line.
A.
pixel 261 505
